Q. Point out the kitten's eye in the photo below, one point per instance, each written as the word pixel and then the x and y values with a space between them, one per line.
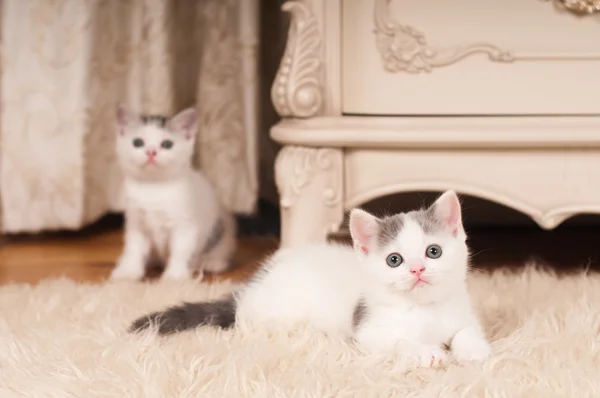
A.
pixel 434 251
pixel 167 144
pixel 394 260
pixel 138 142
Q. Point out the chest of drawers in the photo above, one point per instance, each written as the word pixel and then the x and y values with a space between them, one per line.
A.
pixel 498 99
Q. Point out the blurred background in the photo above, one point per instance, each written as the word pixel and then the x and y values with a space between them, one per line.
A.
pixel 65 64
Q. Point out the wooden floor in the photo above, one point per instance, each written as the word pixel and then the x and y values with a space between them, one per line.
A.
pixel 90 255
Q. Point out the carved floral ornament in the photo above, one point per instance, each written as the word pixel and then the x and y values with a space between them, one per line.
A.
pixel 404 48
pixel 297 90
pixel 297 167
pixel 578 7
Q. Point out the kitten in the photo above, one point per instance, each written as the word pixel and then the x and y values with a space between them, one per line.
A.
pixel 400 288
pixel 172 213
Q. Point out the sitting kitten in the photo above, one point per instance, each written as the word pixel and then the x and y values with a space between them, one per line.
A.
pixel 402 287
pixel 172 213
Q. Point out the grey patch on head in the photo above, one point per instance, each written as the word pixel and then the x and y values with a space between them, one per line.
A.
pixel 158 120
pixel 389 228
pixel 218 230
pixel 188 316
pixel 428 220
pixel 360 312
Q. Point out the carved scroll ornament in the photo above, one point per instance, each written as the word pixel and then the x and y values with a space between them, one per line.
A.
pixel 404 48
pixel 297 167
pixel 297 90
pixel 580 7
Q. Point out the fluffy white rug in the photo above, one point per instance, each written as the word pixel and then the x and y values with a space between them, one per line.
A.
pixel 63 339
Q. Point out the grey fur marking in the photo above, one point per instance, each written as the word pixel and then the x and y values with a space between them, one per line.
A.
pixel 428 220
pixel 360 312
pixel 188 316
pixel 160 121
pixel 390 227
pixel 215 236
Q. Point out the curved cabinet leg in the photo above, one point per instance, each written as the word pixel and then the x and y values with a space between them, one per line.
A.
pixel 310 183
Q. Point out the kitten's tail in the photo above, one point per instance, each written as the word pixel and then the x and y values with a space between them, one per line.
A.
pixel 187 316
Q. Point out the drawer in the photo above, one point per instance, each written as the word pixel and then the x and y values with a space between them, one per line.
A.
pixel 468 57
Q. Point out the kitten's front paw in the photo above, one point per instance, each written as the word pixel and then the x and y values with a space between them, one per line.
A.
pixel 427 356
pixel 469 346
pixel 215 266
pixel 174 274
pixel 476 350
pixel 124 272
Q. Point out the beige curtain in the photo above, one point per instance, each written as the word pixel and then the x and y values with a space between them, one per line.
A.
pixel 66 63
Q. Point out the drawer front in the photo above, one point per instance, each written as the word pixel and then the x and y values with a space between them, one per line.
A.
pixel 469 57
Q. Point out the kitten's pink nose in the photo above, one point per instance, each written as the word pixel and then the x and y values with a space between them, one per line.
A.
pixel 417 269
pixel 151 153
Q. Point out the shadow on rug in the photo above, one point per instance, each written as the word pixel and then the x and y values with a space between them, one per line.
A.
pixel 62 339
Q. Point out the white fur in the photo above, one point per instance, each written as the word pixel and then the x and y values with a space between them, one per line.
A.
pixel 170 208
pixel 322 283
pixel 418 321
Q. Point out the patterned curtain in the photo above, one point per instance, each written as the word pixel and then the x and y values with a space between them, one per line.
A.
pixel 66 63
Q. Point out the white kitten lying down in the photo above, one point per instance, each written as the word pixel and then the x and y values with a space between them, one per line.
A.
pixel 401 288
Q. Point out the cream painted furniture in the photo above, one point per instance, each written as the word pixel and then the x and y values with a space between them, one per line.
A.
pixel 498 99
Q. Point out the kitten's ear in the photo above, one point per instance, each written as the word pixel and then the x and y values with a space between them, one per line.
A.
pixel 447 209
pixel 185 122
pixel 125 118
pixel 363 229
